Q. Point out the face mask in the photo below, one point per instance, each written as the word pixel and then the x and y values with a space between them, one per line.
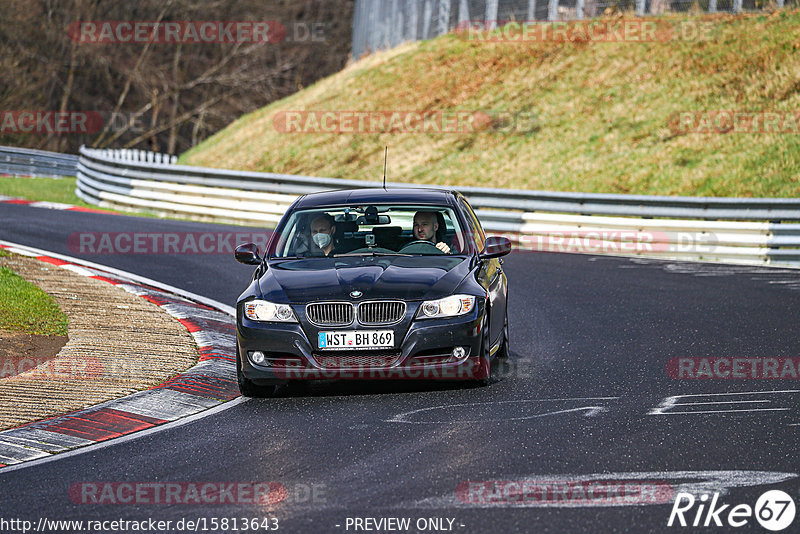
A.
pixel 322 240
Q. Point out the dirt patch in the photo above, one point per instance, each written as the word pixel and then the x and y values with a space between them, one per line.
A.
pixel 21 352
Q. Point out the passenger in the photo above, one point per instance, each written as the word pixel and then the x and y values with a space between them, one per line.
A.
pixel 322 234
pixel 426 227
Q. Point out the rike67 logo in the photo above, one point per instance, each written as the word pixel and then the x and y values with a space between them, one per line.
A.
pixel 774 510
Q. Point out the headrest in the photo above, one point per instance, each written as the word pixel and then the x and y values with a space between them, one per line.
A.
pixel 346 226
pixel 387 231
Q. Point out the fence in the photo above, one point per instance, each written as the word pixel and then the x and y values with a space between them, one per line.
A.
pixel 755 231
pixel 382 24
pixel 133 154
pixel 28 162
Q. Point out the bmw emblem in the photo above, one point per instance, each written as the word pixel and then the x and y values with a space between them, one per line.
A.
pixel 356 294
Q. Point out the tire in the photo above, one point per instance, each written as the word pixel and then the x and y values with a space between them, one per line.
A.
pixel 503 352
pixel 483 373
pixel 247 387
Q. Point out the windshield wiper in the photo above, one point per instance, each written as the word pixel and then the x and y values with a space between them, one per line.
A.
pixel 372 254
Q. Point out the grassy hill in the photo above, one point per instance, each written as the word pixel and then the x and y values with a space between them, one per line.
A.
pixel 606 115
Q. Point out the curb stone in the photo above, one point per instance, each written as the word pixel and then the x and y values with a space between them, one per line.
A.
pixel 209 383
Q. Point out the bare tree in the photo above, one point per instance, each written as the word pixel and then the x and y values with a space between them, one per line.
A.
pixel 160 95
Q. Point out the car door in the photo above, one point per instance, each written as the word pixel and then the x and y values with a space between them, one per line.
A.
pixel 490 275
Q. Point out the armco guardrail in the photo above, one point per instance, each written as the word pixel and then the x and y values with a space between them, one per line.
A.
pixel 754 231
pixel 28 162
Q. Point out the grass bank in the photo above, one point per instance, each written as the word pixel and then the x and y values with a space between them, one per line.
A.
pixel 595 116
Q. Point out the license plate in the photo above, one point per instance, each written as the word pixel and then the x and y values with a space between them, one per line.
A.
pixel 356 339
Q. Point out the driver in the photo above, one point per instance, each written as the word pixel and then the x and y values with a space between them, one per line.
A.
pixel 425 228
pixel 322 231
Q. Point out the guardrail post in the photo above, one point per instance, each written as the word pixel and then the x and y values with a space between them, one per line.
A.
pixel 491 14
pixel 737 6
pixel 552 10
pixel 426 19
pixel 531 10
pixel 463 14
pixel 413 22
pixel 386 23
pixel 444 17
pixel 579 9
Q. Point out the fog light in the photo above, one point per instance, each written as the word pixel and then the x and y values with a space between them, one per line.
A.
pixel 459 353
pixel 258 357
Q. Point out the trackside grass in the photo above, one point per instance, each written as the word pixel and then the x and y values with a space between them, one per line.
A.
pixel 61 190
pixel 593 116
pixel 49 189
pixel 26 308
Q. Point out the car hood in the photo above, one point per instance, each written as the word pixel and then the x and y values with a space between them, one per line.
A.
pixel 392 277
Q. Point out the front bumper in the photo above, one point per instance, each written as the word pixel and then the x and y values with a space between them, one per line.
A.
pixel 423 350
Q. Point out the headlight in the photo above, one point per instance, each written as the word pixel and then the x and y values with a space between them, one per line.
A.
pixel 262 310
pixel 446 307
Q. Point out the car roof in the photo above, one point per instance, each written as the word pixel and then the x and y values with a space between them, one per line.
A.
pixel 406 195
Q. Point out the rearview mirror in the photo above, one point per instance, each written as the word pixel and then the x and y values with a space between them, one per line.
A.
pixel 495 247
pixel 247 254
pixel 375 220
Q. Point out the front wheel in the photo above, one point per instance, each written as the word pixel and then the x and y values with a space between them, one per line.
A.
pixel 247 387
pixel 483 369
pixel 504 352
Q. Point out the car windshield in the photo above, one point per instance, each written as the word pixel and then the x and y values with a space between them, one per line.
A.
pixel 371 230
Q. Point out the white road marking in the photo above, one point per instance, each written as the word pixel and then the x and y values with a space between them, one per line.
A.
pixel 77 270
pixel 725 411
pixel 51 205
pixel 720 402
pixel 665 408
pixel 591 411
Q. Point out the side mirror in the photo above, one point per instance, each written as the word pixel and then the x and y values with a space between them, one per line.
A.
pixel 247 254
pixel 495 247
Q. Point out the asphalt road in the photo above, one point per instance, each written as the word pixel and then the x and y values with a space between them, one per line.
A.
pixel 585 397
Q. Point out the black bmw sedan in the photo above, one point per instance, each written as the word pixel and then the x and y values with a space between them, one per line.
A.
pixel 373 284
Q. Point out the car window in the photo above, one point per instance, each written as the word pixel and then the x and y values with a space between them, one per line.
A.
pixel 369 229
pixel 474 225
